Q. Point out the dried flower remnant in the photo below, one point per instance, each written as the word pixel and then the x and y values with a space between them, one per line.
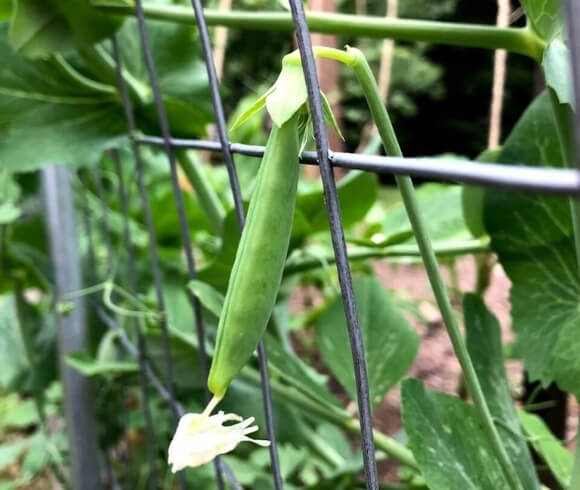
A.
pixel 200 437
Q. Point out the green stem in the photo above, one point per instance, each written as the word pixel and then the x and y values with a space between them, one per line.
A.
pixel 72 74
pixel 103 65
pixel 338 417
pixel 452 250
pixel 516 40
pixel 383 122
pixel 208 198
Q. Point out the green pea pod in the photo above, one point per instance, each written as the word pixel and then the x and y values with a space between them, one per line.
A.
pixel 260 258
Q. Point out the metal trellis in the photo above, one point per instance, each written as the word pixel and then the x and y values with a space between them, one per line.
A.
pixel 517 177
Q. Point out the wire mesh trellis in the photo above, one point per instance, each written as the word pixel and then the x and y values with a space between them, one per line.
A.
pixel 546 180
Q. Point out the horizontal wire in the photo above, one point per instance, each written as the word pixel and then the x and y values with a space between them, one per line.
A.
pixel 507 176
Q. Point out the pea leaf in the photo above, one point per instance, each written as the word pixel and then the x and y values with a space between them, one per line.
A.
pixel 288 94
pixel 556 65
pixel 390 343
pixel 42 109
pixel 545 17
pixel 445 437
pixel 5 9
pixel 356 192
pixel 180 70
pixel 13 361
pixel 532 236
pixel 441 208
pixel 208 296
pixel 558 458
pixel 39 29
pixel 486 351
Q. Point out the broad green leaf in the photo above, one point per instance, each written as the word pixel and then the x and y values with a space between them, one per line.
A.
pixel 486 351
pixel 297 373
pixel 441 209
pixel 288 95
pixel 39 29
pixel 180 70
pixel 13 361
pixel 545 17
pixel 472 198
pixel 557 457
pixel 445 436
pixel 42 109
pixel 209 297
pixel 532 236
pixel 88 366
pixel 556 65
pixel 390 343
pixel 9 212
pixel 357 192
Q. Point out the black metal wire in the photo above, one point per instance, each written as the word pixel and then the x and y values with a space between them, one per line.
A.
pixel 517 177
pixel 154 255
pixel 338 242
pixel 239 209
pixel 141 345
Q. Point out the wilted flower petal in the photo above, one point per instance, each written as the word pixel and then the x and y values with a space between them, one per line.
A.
pixel 200 437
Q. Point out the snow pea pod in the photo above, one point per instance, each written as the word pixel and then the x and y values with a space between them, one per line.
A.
pixel 257 271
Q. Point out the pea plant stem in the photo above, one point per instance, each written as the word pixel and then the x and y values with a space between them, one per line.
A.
pixel 337 417
pixel 451 250
pixel 383 122
pixel 101 63
pixel 206 194
pixel 516 40
pixel 355 58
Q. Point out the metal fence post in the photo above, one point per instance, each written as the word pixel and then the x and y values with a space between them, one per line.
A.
pixel 66 262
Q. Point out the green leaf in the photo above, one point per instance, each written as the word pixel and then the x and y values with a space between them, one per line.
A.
pixel 9 453
pixel 441 208
pixel 71 124
pixel 288 94
pixel 180 70
pixel 208 296
pixel 532 235
pixel 5 9
pixel 486 351
pixel 9 212
pixel 251 111
pixel 88 366
pixel 13 361
pixel 357 192
pixel 557 457
pixel 390 343
pixel 297 373
pixel 545 17
pixel 446 439
pixel 329 115
pixel 556 65
pixel 39 29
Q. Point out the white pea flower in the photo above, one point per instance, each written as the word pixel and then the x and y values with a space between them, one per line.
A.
pixel 200 437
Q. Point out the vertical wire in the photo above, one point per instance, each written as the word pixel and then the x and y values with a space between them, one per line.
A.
pixel 178 196
pixel 141 346
pixel 239 209
pixel 153 252
pixel 338 242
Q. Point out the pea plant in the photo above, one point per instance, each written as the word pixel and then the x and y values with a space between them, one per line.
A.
pixel 73 77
